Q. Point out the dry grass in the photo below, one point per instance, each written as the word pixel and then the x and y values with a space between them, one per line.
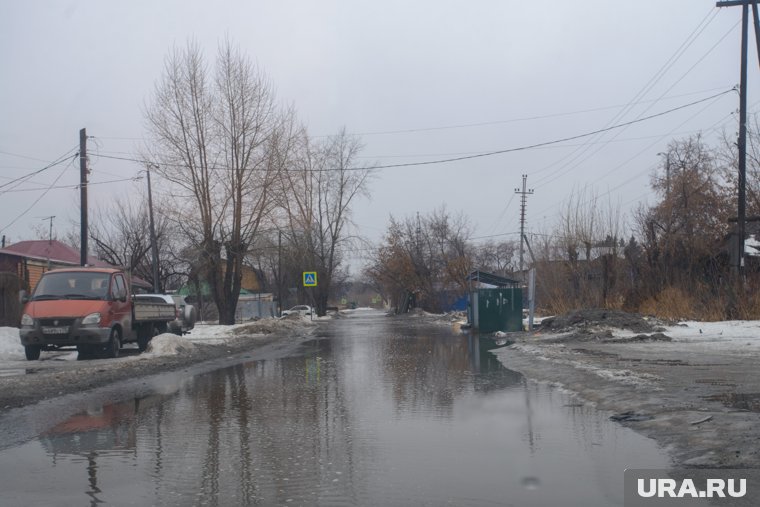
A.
pixel 672 304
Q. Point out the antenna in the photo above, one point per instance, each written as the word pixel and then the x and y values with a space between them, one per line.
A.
pixel 50 233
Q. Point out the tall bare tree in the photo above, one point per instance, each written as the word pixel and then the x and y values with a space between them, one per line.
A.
pixel 426 258
pixel 213 138
pixel 682 232
pixel 320 185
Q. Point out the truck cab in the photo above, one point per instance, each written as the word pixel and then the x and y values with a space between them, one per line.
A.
pixel 90 309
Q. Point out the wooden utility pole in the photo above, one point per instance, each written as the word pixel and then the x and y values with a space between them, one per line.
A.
pixel 524 193
pixel 738 266
pixel 279 273
pixel 153 239
pixel 83 196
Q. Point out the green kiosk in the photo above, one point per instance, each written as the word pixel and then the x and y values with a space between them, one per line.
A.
pixel 495 303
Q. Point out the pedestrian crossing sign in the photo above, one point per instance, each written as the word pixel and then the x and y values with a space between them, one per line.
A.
pixel 309 278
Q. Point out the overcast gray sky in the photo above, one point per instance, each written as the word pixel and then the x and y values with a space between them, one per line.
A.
pixel 418 80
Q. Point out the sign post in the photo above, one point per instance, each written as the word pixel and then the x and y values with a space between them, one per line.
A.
pixel 310 280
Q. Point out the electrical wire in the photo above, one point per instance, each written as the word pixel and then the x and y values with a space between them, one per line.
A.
pixel 578 154
pixel 21 179
pixel 35 201
pixel 522 119
pixel 478 155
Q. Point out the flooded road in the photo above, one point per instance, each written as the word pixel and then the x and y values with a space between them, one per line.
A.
pixel 376 411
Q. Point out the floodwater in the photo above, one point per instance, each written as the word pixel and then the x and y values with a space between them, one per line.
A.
pixel 378 411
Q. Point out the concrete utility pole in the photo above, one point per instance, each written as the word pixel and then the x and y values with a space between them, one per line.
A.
pixel 524 193
pixel 738 267
pixel 83 196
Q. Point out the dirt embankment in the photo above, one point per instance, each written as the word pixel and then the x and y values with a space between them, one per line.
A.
pixel 702 403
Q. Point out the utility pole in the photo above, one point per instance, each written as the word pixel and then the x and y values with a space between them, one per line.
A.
pixel 83 196
pixel 524 193
pixel 738 267
pixel 279 273
pixel 153 240
pixel 667 172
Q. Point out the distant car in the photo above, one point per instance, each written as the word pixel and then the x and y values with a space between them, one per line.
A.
pixel 186 313
pixel 302 310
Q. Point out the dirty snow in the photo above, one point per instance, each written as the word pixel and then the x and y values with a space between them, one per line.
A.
pixel 170 344
pixel 555 354
pixel 725 336
pixel 10 345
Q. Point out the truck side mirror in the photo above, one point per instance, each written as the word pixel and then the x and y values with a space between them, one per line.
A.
pixel 23 297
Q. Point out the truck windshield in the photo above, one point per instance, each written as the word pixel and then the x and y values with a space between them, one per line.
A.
pixel 71 285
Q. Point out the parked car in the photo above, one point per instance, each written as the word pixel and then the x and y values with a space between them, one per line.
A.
pixel 186 314
pixel 302 310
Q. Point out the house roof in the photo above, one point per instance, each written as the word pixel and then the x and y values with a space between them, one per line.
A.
pixel 55 251
pixel 490 279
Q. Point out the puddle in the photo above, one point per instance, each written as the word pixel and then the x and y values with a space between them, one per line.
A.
pixel 375 414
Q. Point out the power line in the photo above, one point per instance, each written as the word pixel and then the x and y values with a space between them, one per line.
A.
pixel 71 187
pixel 521 119
pixel 478 155
pixel 579 158
pixel 63 158
pixel 35 201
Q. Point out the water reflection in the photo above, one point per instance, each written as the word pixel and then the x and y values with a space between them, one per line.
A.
pixel 376 414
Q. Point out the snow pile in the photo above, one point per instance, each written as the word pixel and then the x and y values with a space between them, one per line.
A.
pixel 169 344
pixel 211 333
pixel 558 355
pixel 10 345
pixel 734 335
pixel 291 323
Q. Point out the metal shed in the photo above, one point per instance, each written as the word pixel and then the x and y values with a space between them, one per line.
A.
pixel 496 308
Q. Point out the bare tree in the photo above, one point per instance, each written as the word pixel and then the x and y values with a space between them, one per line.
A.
pixel 425 259
pixel 120 235
pixel 319 187
pixel 683 230
pixel 213 139
pixel 497 258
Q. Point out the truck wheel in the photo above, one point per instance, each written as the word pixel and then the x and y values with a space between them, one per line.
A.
pixel 114 344
pixel 32 352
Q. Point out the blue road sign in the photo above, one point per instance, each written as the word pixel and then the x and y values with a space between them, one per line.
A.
pixel 309 278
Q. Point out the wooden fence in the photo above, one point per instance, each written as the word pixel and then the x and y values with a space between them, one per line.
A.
pixel 10 307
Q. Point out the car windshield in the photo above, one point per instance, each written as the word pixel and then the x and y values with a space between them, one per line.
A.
pixel 71 285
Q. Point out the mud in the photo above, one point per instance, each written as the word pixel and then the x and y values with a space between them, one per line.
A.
pixel 702 406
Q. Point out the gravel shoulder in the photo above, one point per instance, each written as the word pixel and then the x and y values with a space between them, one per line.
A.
pixel 701 404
